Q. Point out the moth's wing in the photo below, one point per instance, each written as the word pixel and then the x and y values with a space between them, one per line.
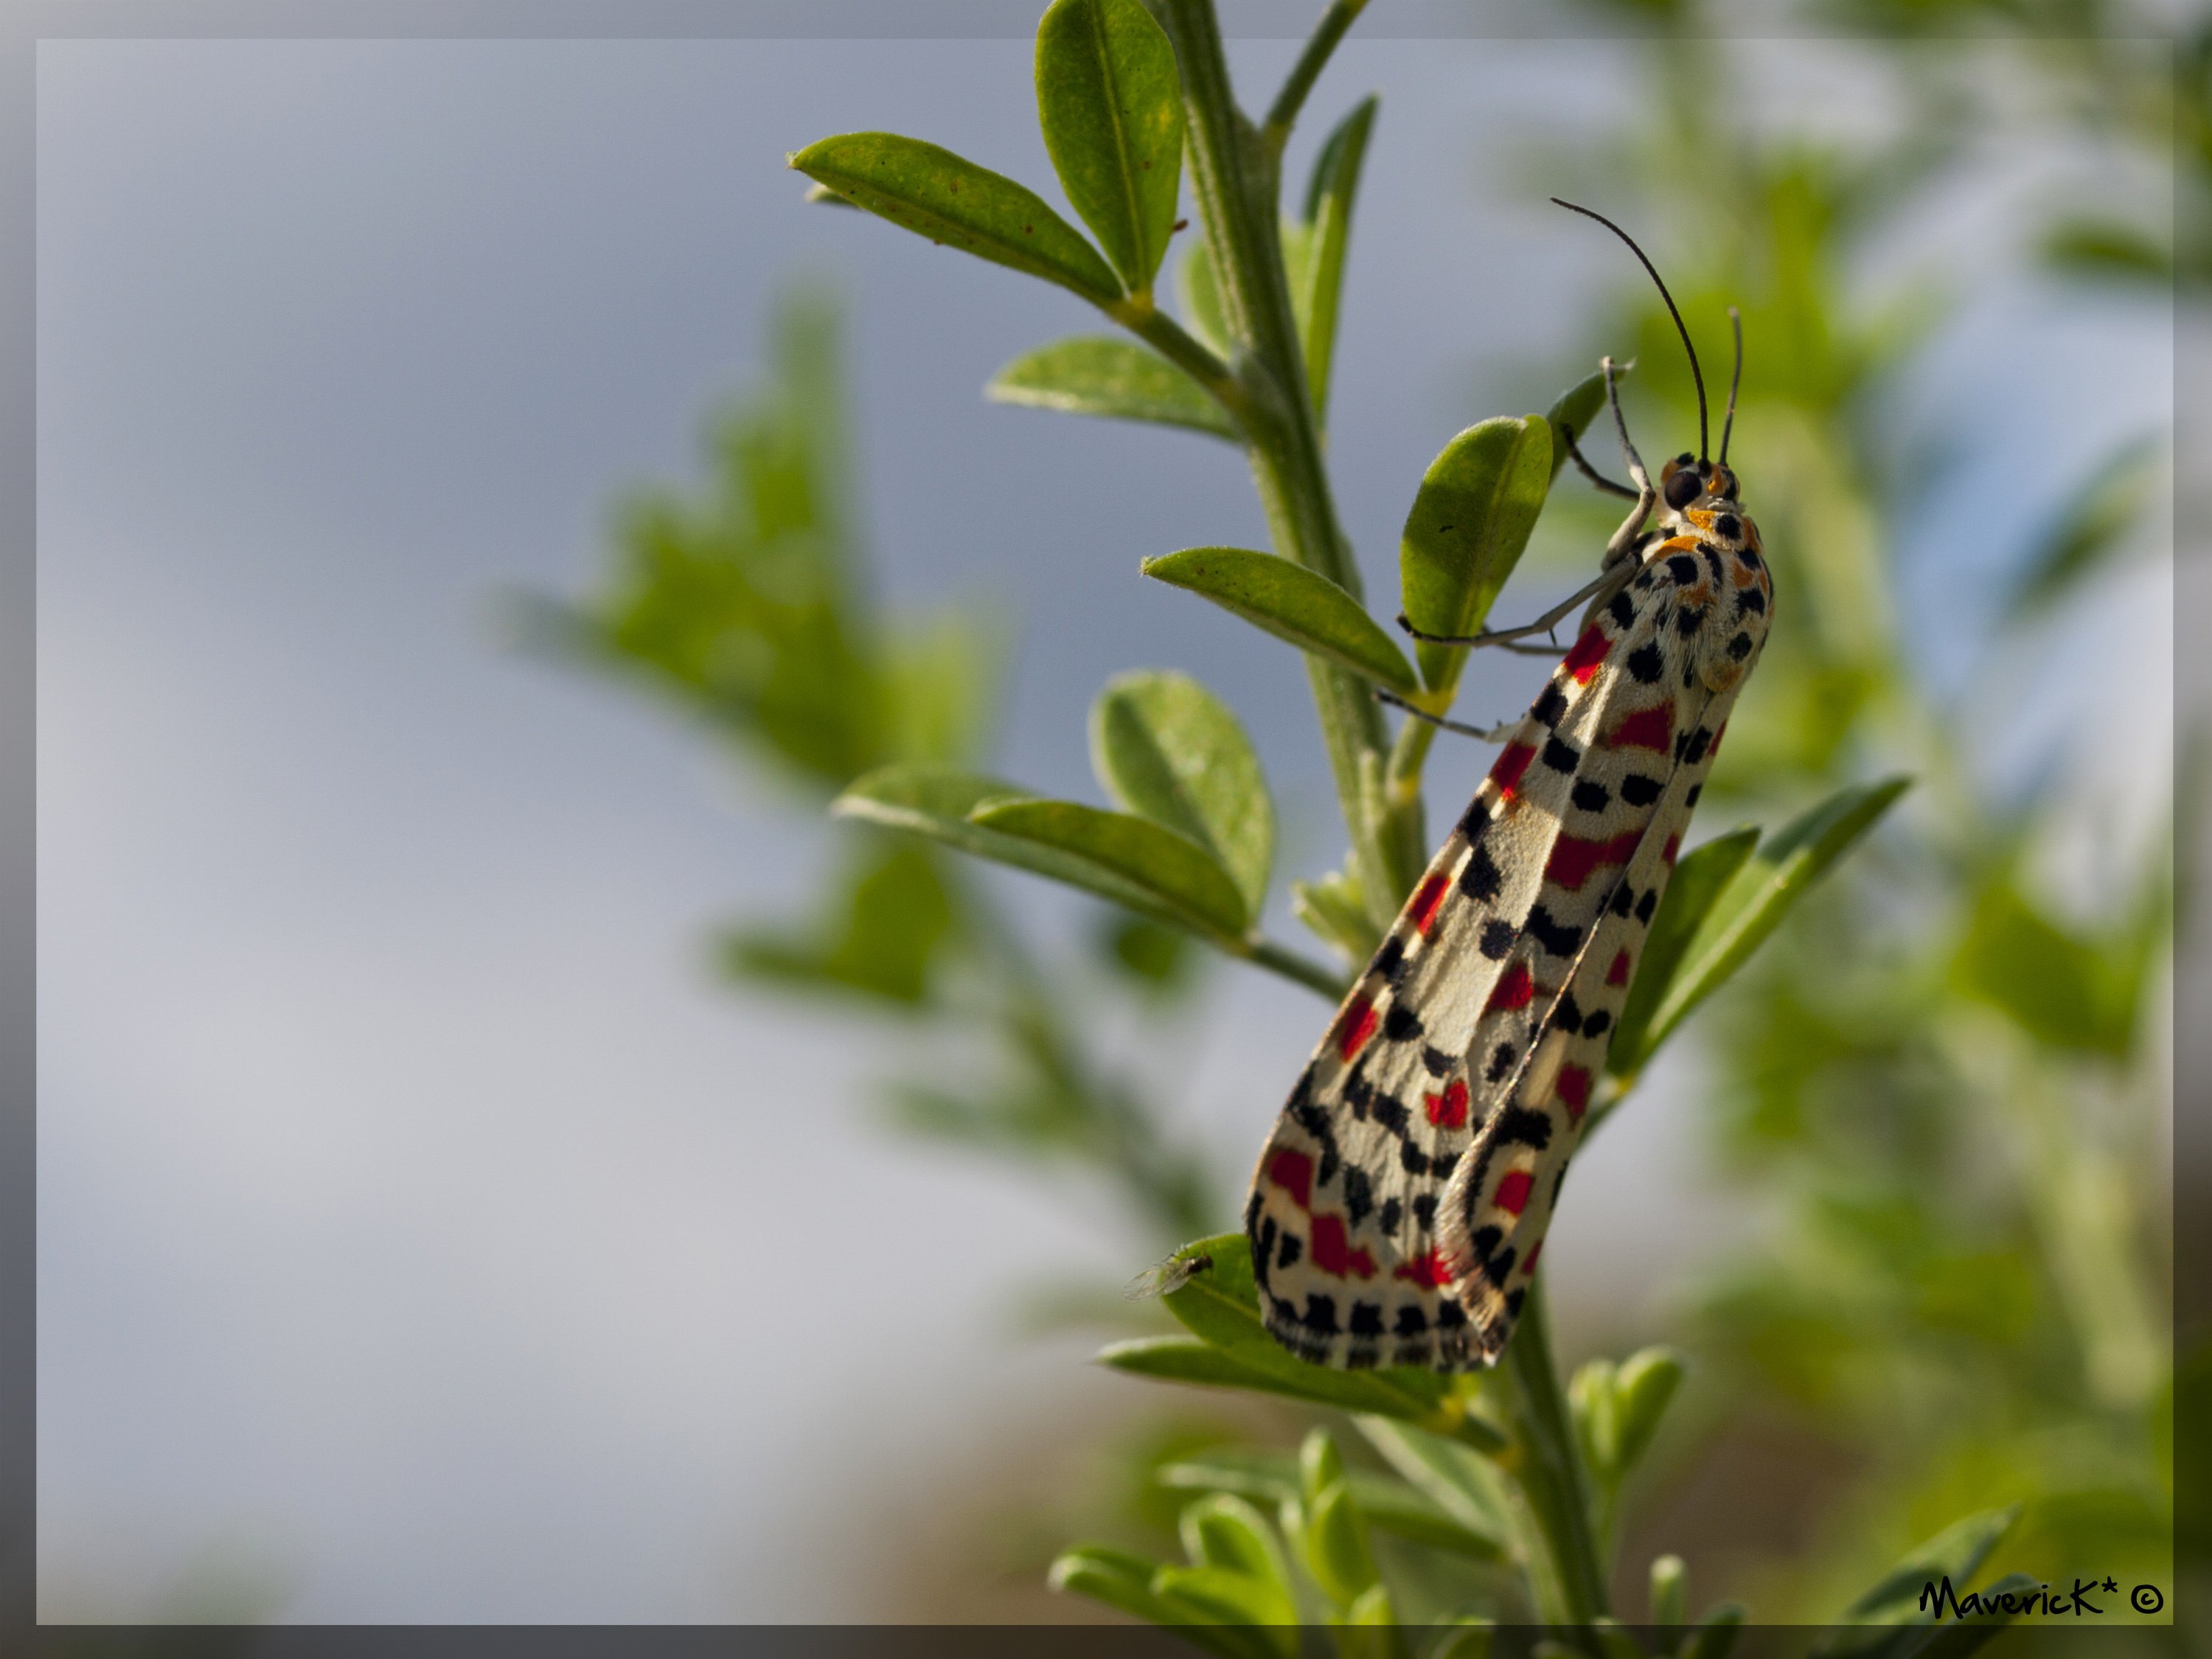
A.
pixel 1603 882
pixel 1342 1216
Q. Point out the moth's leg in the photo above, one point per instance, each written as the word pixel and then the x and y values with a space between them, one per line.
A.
pixel 1582 464
pixel 1497 733
pixel 1621 552
pixel 1613 579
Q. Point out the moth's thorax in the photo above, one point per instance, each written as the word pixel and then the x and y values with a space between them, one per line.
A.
pixel 1706 550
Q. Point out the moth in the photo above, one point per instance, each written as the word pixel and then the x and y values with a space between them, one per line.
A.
pixel 1398 1211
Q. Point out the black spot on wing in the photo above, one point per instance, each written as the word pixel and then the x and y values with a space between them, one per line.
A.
pixel 1359 1194
pixel 1390 961
pixel 1689 796
pixel 1645 665
pixel 1638 790
pixel 1496 940
pixel 1622 611
pixel 1555 937
pixel 1689 619
pixel 1750 600
pixel 1647 904
pixel 1683 569
pixel 1424 1211
pixel 1481 879
pixel 1700 741
pixel 1561 757
pixel 1519 1125
pixel 1740 647
pixel 1436 1061
pixel 1400 1023
pixel 1293 1247
pixel 1392 1212
pixel 1320 1314
pixel 1729 525
pixel 1367 1319
pixel 1411 1321
pixel 1501 1063
pixel 1591 796
pixel 1416 1161
pixel 1712 556
pixel 1597 1024
pixel 1551 703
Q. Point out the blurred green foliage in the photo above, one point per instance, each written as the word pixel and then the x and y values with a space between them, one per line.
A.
pixel 1937 1091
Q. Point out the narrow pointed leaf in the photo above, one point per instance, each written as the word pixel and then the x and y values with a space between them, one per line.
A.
pixel 1198 297
pixel 948 198
pixel 1697 883
pixel 1329 198
pixel 1469 522
pixel 1337 1551
pixel 1576 412
pixel 1119 379
pixel 1714 1636
pixel 2091 526
pixel 1293 603
pixel 1333 909
pixel 1762 892
pixel 1957 1553
pixel 1179 882
pixel 1231 1607
pixel 1182 878
pixel 1166 747
pixel 1124 1582
pixel 1641 1389
pixel 1109 100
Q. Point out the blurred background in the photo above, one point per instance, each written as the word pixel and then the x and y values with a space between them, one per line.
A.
pixel 504 1155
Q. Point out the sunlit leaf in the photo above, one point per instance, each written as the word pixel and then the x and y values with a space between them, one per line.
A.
pixel 1247 1609
pixel 1198 297
pixel 1293 603
pixel 1329 198
pixel 1469 523
pixel 1337 1552
pixel 948 198
pixel 1762 892
pixel 1109 100
pixel 1119 379
pixel 2065 990
pixel 1166 747
pixel 1123 1581
pixel 1180 878
pixel 1956 1553
pixel 1334 909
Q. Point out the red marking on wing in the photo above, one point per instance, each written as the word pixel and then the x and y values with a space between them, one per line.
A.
pixel 1513 761
pixel 1618 974
pixel 1717 736
pixel 1589 651
pixel 1573 858
pixel 1428 1271
pixel 1332 1253
pixel 1515 988
pixel 1428 900
pixel 1357 1026
pixel 1448 1110
pixel 1674 846
pixel 1528 1261
pixel 1574 1088
pixel 1292 1171
pixel 1648 728
pixel 1512 1192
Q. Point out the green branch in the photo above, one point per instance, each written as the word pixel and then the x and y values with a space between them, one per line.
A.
pixel 1283 115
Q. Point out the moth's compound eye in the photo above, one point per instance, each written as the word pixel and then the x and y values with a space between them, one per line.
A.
pixel 1682 488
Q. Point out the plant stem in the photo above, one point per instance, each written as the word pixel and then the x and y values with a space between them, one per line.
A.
pixel 1547 1465
pixel 1313 975
pixel 1236 180
pixel 1283 114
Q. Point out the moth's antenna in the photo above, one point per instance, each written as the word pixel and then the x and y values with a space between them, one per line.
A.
pixel 1679 328
pixel 1735 322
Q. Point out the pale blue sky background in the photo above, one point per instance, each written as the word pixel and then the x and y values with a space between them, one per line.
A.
pixel 423 1233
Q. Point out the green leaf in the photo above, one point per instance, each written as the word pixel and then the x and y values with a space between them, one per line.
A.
pixel 1124 1582
pixel 1225 1531
pixel 882 938
pixel 1244 1607
pixel 1337 1552
pixel 1221 1309
pixel 1293 603
pixel 1752 904
pixel 1180 878
pixel 949 199
pixel 1697 883
pixel 1670 1592
pixel 1456 1475
pixel 1329 197
pixel 1157 958
pixel 1166 747
pixel 2063 990
pixel 1120 379
pixel 1469 522
pixel 1369 1629
pixel 1109 100
pixel 1714 1636
pixel 1643 1388
pixel 1469 1640
pixel 1577 407
pixel 2105 249
pixel 1320 1465
pixel 1394 1505
pixel 1128 859
pixel 2090 527
pixel 1957 1553
pixel 1198 298
pixel 1334 907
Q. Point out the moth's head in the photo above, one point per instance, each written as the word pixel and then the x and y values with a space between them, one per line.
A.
pixel 1685 480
